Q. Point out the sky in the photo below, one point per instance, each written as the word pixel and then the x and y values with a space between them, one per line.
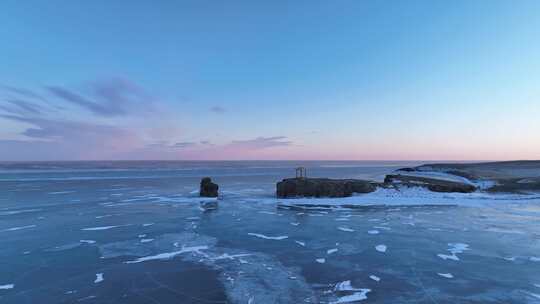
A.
pixel 276 80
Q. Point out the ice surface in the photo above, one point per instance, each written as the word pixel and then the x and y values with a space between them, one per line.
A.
pixel 445 275
pixel 346 229
pixel 262 236
pixel 301 243
pixel 146 240
pixel 88 241
pixel 534 259
pixel 373 231
pixel 320 260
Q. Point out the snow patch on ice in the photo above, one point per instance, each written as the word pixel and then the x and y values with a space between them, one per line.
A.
pixel 168 255
pixel 346 229
pixel 381 248
pixel 321 260
pixel 18 228
pixel 445 275
pixel 99 278
pixel 375 278
pixel 100 228
pixel 330 251
pixel 262 236
pixel 454 249
pixel 7 286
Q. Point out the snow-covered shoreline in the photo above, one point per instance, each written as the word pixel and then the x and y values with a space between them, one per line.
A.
pixel 413 196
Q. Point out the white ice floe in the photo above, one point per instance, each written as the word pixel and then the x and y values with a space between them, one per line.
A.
pixel 510 259
pixel 7 286
pixel 146 240
pixel 373 232
pixel 295 224
pixel 321 260
pixel 18 228
pixel 345 286
pixel 100 228
pixel 346 229
pixel 88 241
pixel 534 259
pixel 104 216
pixel 262 236
pixel 454 249
pixel 147 224
pixel 445 275
pixel 168 255
pixel 380 248
pixel 99 278
pixel 301 243
pixel 330 251
pixel 375 278
pixel 342 219
pixel 359 295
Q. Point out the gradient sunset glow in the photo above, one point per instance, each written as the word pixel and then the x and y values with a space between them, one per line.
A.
pixel 209 80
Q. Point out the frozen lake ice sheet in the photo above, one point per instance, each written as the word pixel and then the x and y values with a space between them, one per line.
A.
pixel 57 261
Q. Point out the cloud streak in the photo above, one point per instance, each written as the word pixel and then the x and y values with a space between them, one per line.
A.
pixel 261 143
pixel 115 97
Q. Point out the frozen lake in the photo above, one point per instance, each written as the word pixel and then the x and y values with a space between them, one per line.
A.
pixel 133 232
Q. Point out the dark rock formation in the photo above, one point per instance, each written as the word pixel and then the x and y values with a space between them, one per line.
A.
pixel 435 185
pixel 322 187
pixel 208 188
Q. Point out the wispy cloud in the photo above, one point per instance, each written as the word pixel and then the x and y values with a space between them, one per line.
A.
pixel 115 97
pixel 261 143
pixel 21 107
pixel 218 109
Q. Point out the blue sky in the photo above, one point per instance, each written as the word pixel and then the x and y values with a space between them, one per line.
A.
pixel 429 80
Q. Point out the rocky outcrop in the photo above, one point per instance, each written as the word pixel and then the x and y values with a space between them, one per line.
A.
pixel 435 185
pixel 322 187
pixel 208 188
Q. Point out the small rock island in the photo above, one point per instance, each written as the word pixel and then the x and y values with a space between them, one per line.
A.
pixel 208 188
